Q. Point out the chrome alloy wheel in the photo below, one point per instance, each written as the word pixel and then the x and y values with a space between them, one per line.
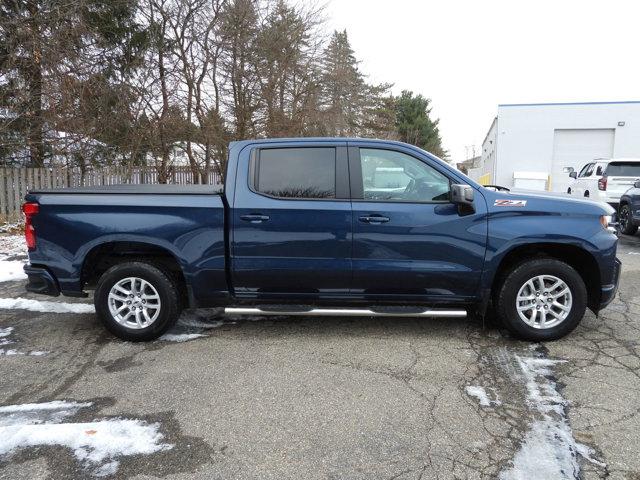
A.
pixel 134 303
pixel 544 301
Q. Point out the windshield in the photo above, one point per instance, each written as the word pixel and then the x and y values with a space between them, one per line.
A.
pixel 624 169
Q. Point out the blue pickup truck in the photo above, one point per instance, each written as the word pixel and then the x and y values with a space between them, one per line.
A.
pixel 325 226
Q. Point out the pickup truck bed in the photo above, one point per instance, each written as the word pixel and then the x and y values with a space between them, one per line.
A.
pixel 181 227
pixel 130 189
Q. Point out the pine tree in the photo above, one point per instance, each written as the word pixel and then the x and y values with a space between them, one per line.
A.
pixel 50 53
pixel 415 126
pixel 344 88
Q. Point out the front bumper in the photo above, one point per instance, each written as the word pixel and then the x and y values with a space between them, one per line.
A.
pixel 41 281
pixel 608 292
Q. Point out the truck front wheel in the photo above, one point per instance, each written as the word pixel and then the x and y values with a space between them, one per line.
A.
pixel 136 301
pixel 541 299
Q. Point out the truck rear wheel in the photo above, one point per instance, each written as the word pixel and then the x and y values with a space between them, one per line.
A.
pixel 136 301
pixel 542 299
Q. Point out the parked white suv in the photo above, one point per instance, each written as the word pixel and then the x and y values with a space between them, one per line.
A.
pixel 605 180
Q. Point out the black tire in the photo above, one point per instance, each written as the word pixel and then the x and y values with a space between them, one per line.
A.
pixel 625 221
pixel 586 194
pixel 505 300
pixel 161 282
pixel 569 191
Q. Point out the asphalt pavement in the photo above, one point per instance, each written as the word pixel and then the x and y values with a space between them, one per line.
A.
pixel 318 398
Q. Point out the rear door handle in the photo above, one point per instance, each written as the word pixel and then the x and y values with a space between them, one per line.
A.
pixel 254 218
pixel 374 219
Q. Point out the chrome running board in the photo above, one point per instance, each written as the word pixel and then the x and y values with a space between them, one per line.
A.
pixel 346 312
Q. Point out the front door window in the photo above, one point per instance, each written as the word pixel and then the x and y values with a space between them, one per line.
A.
pixel 392 176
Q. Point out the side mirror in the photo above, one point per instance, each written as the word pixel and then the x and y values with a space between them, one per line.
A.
pixel 461 194
pixel 567 169
pixel 637 184
pixel 573 174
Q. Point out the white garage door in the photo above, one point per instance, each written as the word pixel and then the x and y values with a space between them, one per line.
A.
pixel 575 148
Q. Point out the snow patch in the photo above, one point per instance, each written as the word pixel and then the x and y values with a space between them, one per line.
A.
pixel 12 246
pixel 481 394
pixel 193 320
pixel 11 271
pixel 98 445
pixel 191 325
pixel 548 449
pixel 15 352
pixel 5 340
pixel 11 227
pixel 5 332
pixel 44 306
pixel 36 413
pixel 180 337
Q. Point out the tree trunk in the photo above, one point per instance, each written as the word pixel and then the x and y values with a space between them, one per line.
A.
pixel 34 109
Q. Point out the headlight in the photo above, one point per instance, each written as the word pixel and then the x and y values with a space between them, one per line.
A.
pixel 607 223
pixel 605 220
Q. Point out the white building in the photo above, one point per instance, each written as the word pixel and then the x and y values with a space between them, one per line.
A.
pixel 529 145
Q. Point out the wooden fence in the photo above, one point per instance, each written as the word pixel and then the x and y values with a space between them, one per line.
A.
pixel 16 182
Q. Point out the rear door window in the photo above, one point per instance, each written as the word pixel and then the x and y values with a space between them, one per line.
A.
pixel 623 169
pixel 296 172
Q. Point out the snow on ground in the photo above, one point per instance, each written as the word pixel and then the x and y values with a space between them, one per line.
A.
pixel 180 337
pixel 5 332
pixel 36 413
pixel 481 394
pixel 12 246
pixel 98 445
pixel 190 325
pixel 19 303
pixel 548 449
pixel 5 340
pixel 11 227
pixel 11 270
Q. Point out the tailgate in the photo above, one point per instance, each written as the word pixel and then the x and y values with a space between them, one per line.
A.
pixel 619 185
pixel 621 175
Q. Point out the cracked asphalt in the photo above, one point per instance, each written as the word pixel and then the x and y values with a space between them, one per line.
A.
pixel 331 398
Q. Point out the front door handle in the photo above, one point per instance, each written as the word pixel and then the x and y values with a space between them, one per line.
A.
pixel 254 218
pixel 374 219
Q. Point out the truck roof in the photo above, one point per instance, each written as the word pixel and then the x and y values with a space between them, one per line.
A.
pixel 321 139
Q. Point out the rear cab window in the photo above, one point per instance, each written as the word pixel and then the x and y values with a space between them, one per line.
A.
pixel 295 173
pixel 623 169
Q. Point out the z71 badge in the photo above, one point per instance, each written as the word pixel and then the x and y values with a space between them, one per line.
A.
pixel 505 202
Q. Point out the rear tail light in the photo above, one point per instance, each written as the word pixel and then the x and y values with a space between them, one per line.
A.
pixel 30 209
pixel 602 183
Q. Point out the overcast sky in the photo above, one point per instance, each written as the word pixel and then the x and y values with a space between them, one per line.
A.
pixel 468 56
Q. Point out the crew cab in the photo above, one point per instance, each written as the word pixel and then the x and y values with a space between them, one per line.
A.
pixel 605 180
pixel 325 226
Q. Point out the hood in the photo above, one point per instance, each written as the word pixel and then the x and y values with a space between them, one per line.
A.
pixel 529 200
